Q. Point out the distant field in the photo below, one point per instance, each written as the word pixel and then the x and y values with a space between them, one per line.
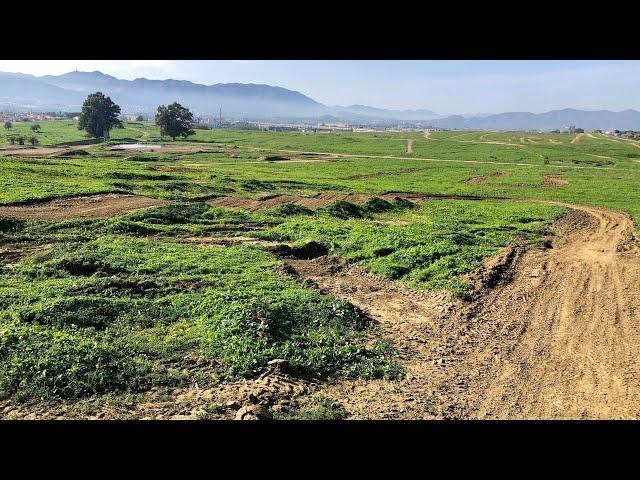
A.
pixel 189 292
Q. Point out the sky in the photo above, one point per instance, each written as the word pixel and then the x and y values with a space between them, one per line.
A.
pixel 446 87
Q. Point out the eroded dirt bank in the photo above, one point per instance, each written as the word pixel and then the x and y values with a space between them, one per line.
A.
pixel 553 333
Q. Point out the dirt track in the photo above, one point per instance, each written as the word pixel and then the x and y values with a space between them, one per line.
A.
pixel 553 333
pixel 577 138
pixel 94 206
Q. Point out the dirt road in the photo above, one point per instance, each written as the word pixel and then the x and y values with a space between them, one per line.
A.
pixel 552 333
pixel 92 206
pixel 577 138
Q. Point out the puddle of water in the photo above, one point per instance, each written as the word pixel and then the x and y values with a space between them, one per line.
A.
pixel 138 146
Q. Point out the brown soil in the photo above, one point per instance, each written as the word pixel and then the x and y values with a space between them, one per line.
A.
pixel 426 134
pixel 483 179
pixel 323 199
pixel 32 151
pixel 94 206
pixel 319 200
pixel 554 181
pixel 551 140
pixel 550 333
pixel 409 146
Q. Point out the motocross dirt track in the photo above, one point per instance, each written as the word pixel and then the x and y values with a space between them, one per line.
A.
pixel 92 206
pixel 552 332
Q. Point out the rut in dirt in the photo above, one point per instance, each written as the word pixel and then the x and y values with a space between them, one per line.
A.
pixel 553 332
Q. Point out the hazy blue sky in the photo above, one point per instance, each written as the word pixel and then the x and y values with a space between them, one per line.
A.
pixel 442 86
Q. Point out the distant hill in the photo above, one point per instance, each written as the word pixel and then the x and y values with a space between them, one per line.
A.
pixel 555 119
pixel 237 100
pixel 265 102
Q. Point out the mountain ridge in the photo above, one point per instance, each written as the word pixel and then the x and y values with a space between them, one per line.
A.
pixel 252 101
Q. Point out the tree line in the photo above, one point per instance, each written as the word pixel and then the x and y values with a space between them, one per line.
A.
pixel 99 116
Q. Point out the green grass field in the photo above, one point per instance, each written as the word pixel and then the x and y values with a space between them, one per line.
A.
pixel 120 305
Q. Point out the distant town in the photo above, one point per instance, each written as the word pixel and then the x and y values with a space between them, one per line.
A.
pixel 210 122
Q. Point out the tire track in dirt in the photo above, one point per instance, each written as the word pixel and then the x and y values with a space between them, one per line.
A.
pixel 553 333
pixel 93 206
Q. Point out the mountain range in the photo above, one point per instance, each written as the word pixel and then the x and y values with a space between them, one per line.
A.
pixel 264 102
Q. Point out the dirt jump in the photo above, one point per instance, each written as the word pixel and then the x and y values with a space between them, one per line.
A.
pixel 91 206
pixel 323 199
pixel 552 332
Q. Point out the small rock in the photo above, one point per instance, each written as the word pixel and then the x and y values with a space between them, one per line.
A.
pixel 231 405
pixel 278 363
pixel 253 412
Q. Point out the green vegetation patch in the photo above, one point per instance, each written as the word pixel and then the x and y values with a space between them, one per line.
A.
pixel 122 314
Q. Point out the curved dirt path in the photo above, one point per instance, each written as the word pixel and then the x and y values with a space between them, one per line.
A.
pixel 89 206
pixel 577 138
pixel 567 328
pixel 553 332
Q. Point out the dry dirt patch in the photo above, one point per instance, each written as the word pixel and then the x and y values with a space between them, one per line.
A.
pixel 319 200
pixel 577 138
pixel 554 181
pixel 323 199
pixel 483 179
pixel 92 206
pixel 409 146
pixel 32 151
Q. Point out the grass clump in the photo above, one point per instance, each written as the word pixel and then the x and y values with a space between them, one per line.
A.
pixel 43 362
pixel 319 408
pixel 121 314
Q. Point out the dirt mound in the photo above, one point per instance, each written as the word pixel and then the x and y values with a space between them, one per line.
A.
pixel 323 199
pixel 319 200
pixel 31 151
pixel 92 206
pixel 409 146
pixel 554 181
pixel 304 252
pixel 483 179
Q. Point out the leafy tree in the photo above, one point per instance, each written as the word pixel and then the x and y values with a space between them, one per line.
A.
pixel 8 125
pixel 12 140
pixel 35 127
pixel 139 118
pixel 21 139
pixel 175 121
pixel 99 115
pixel 33 140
